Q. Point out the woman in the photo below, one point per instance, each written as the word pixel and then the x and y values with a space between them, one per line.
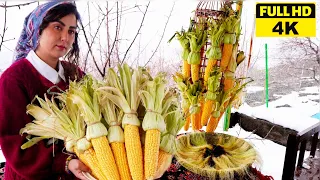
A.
pixel 49 33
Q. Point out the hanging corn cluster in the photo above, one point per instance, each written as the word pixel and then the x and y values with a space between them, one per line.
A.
pixel 207 82
pixel 121 127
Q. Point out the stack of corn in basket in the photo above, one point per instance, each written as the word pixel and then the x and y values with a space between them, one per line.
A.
pixel 125 126
pixel 208 86
pixel 207 83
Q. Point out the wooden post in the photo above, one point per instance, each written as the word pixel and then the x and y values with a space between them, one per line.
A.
pixel 314 144
pixel 301 153
pixel 290 157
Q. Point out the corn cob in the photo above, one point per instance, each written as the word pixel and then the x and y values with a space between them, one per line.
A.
pixel 174 120
pixel 227 97
pixel 113 117
pixel 120 156
pixel 187 123
pixel 153 122
pixel 194 93
pixel 186 69
pixel 67 122
pixel 231 23
pixel 183 85
pixel 193 121
pixel 208 106
pixel 226 55
pixel 200 113
pixel 151 154
pixel 212 95
pixel 87 100
pixel 105 157
pixel 164 162
pixel 184 42
pixel 134 151
pixel 89 158
pixel 229 78
pixel 197 39
pixel 228 83
pixel 213 123
pixel 195 71
pixel 127 99
pixel 213 53
pixel 209 67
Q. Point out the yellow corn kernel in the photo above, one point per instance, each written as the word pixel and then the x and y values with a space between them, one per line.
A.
pixel 186 69
pixel 119 152
pixel 105 157
pixel 134 151
pixel 164 162
pixel 209 67
pixel 187 124
pixel 195 120
pixel 213 123
pixel 151 152
pixel 89 158
pixel 228 83
pixel 226 55
pixel 207 109
pixel 195 68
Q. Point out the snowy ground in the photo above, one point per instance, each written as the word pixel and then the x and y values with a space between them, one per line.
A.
pixel 292 110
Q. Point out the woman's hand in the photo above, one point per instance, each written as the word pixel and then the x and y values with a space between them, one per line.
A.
pixel 77 167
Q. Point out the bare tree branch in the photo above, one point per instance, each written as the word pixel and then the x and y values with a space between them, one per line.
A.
pixel 9 40
pixel 313 70
pixel 88 5
pixel 108 37
pixel 100 11
pixel 93 38
pixel 117 54
pixel 87 41
pixel 4 24
pixel 16 5
pixel 164 30
pixel 7 48
pixel 100 49
pixel 312 44
pixel 122 11
pixel 297 48
pixel 138 32
pixel 113 44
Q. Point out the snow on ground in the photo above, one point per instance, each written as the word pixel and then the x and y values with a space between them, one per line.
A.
pixel 291 110
pixel 253 89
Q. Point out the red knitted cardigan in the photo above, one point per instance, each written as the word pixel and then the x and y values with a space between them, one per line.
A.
pixel 19 84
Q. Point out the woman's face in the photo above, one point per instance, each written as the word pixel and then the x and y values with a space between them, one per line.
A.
pixel 57 38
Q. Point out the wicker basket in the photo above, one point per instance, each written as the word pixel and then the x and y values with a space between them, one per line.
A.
pixel 232 148
pixel 208 9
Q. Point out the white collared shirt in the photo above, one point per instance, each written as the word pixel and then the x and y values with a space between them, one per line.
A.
pixel 44 69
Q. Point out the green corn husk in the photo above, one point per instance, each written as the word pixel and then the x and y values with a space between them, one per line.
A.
pixel 63 124
pixel 216 33
pixel 86 99
pixel 152 98
pixel 214 84
pixel 231 24
pixel 197 39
